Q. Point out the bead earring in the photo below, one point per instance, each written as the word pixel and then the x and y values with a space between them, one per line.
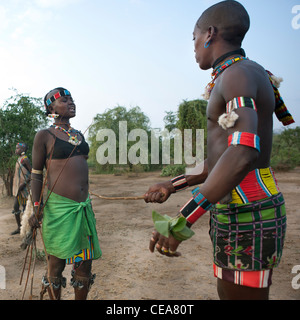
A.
pixel 53 115
pixel 206 44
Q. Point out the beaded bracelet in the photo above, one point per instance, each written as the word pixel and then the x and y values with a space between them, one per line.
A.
pixel 244 138
pixel 195 207
pixel 179 183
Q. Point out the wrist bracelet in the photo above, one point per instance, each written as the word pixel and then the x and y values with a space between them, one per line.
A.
pixel 195 207
pixel 179 183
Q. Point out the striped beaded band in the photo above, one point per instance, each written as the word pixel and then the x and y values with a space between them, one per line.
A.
pixel 244 138
pixel 240 102
pixel 179 183
pixel 195 207
pixel 61 93
pixel 281 111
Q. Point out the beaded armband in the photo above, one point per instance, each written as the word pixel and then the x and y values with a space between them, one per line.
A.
pixel 195 207
pixel 179 183
pixel 228 119
pixel 244 138
pixel 240 102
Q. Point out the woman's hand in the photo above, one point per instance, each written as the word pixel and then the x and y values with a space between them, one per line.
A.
pixel 33 221
pixel 159 192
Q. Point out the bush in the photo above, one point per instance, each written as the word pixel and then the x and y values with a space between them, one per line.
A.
pixel 173 170
pixel 286 149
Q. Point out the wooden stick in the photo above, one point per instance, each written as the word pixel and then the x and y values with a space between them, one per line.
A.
pixel 118 198
pixel 29 265
pixel 24 264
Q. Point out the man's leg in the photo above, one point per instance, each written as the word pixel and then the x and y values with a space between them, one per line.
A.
pixel 230 291
pixel 17 213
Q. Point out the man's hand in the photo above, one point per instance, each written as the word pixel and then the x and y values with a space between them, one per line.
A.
pixel 165 246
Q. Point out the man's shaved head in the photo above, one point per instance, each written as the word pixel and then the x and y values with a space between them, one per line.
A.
pixel 230 19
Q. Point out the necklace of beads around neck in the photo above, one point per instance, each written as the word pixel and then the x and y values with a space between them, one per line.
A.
pixel 217 71
pixel 72 139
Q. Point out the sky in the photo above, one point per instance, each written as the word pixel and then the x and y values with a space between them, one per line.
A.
pixel 133 52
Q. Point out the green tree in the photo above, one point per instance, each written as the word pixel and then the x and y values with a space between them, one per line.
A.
pixel 110 119
pixel 170 120
pixel 21 117
pixel 286 149
pixel 192 115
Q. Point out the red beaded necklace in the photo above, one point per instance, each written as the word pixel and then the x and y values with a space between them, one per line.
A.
pixel 72 139
pixel 217 71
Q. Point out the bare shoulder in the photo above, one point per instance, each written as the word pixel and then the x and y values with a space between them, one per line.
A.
pixel 41 137
pixel 244 78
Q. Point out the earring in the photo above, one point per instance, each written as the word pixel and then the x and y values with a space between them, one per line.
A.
pixel 53 115
pixel 206 44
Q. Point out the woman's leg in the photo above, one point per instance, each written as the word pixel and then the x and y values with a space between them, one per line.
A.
pixel 55 278
pixel 82 279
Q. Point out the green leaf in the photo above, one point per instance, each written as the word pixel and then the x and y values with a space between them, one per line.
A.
pixel 180 223
pixel 161 223
pixel 184 234
pixel 162 227
pixel 166 225
pixel 157 217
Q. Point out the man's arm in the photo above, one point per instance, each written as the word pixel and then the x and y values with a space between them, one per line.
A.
pixel 235 162
pixel 160 192
pixel 243 143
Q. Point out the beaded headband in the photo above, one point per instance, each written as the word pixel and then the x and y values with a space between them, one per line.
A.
pixel 61 93
pixel 21 144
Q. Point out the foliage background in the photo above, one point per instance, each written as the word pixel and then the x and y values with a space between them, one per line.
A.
pixel 22 116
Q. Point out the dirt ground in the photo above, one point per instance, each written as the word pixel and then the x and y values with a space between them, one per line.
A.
pixel 127 269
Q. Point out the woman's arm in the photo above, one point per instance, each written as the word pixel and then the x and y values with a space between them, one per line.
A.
pixel 38 162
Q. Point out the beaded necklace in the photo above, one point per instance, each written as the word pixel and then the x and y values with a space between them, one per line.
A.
pixel 217 71
pixel 281 110
pixel 72 139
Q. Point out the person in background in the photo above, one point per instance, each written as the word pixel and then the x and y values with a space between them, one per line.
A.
pixel 21 183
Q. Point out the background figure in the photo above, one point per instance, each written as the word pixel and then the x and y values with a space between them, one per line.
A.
pixel 21 182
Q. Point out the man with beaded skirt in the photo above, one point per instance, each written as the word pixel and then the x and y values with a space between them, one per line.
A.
pixel 237 185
